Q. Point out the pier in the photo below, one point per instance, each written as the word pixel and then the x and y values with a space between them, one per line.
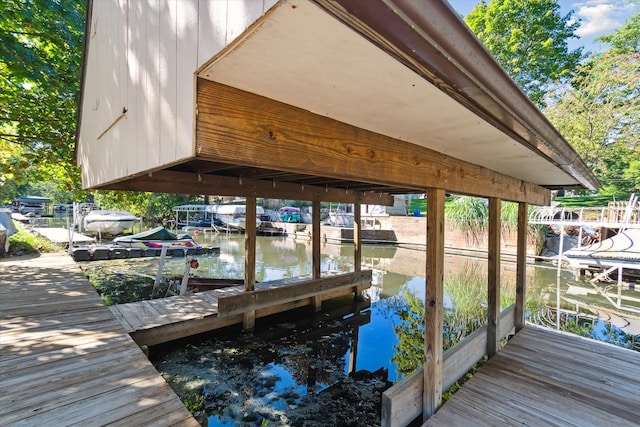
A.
pixel 167 319
pixel 65 360
pixel 549 378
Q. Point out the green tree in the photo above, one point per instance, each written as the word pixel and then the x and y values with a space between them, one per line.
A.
pixel 627 38
pixel 40 58
pixel 600 116
pixel 528 38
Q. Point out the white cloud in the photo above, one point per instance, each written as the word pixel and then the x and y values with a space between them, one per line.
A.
pixel 600 16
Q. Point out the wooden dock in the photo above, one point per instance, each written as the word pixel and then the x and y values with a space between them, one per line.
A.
pixel 166 319
pixel 60 236
pixel 65 360
pixel 549 378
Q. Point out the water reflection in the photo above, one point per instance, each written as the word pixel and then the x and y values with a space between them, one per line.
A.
pixel 331 367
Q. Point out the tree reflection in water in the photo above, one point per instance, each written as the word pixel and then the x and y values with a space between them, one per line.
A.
pixel 287 374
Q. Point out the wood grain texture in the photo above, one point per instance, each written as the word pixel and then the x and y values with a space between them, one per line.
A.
pixel 434 295
pixel 241 128
pixel 66 360
pixel 493 277
pixel 548 378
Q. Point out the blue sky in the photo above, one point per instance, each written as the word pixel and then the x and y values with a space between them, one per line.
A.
pixel 597 17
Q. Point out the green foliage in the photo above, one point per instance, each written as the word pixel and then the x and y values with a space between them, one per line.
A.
pixel 25 242
pixel 528 38
pixel 600 117
pixel 627 38
pixel 147 205
pixel 469 214
pixel 596 200
pixel 40 57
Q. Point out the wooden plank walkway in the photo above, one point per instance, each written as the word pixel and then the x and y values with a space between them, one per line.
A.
pixel 548 378
pixel 161 320
pixel 65 360
pixel 61 235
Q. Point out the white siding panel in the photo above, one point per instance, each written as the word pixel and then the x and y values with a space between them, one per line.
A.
pixel 142 57
pixel 104 92
pixel 167 74
pixel 139 143
pixel 212 28
pixel 187 62
pixel 240 16
pixel 152 86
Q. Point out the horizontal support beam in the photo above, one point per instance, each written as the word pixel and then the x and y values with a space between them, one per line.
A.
pixel 190 183
pixel 254 300
pixel 402 402
pixel 238 127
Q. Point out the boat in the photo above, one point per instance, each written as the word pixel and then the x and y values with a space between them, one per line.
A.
pixel 623 249
pixel 156 238
pixel 32 205
pixel 111 222
pixel 233 217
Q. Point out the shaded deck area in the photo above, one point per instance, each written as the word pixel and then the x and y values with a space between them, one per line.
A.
pixel 166 319
pixel 548 378
pixel 65 360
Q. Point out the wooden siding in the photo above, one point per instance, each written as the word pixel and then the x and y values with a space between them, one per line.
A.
pixel 138 94
pixel 549 378
pixel 65 360
pixel 242 128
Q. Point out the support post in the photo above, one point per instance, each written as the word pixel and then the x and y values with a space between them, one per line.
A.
pixel 493 280
pixel 315 248
pixel 250 257
pixel 357 235
pixel 156 283
pixel 433 353
pixel 521 267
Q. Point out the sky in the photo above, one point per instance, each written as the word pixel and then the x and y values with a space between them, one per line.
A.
pixel 598 17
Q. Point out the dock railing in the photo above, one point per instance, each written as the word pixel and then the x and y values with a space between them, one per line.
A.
pixel 402 403
pixel 617 215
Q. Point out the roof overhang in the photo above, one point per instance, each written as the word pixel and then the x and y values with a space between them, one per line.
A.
pixel 410 71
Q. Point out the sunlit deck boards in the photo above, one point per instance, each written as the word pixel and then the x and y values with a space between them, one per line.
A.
pixel 548 378
pixel 65 360
pixel 166 319
pixel 61 235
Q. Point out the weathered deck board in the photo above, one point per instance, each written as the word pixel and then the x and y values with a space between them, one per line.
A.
pixel 165 319
pixel 549 378
pixel 65 360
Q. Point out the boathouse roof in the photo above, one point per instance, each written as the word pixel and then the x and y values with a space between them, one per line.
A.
pixel 375 96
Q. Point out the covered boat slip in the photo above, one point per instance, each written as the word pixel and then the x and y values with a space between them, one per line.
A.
pixel 64 358
pixel 349 101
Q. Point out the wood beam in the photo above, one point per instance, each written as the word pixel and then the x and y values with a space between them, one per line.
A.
pixel 315 249
pixel 521 266
pixel 229 305
pixel 433 353
pixel 493 279
pixel 249 318
pixel 192 183
pixel 357 235
pixel 243 128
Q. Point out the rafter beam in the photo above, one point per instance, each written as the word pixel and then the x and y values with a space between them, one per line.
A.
pixel 192 183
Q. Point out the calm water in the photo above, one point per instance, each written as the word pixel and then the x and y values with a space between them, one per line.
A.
pixel 329 368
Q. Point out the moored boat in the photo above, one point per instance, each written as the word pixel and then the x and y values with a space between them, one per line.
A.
pixel 234 216
pixel 111 222
pixel 156 238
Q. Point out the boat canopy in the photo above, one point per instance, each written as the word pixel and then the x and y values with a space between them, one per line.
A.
pixel 231 209
pixel 158 233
